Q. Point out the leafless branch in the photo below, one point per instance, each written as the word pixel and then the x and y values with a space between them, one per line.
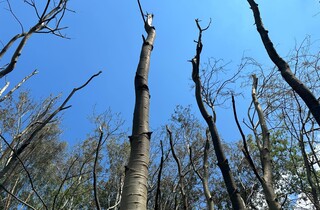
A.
pixel 244 141
pixel 43 23
pixel 40 126
pixel 95 190
pixel 205 177
pixel 141 11
pixel 26 170
pixel 158 193
pixel 18 86
pixel 62 183
pixel 15 197
pixel 181 176
pixel 15 17
pixel 4 88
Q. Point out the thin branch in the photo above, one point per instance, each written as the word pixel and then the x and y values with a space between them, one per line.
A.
pixel 141 11
pixel 15 17
pixel 42 24
pixel 245 146
pixel 193 165
pixel 40 126
pixel 10 43
pixel 15 197
pixel 4 88
pixel 45 9
pixel 18 86
pixel 62 183
pixel 26 170
pixel 95 190
pixel 181 176
pixel 158 193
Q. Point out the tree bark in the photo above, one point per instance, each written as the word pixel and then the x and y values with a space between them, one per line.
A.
pixel 264 149
pixel 299 87
pixel 134 194
pixel 235 197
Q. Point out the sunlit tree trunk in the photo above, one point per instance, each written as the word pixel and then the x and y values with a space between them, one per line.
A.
pixel 134 194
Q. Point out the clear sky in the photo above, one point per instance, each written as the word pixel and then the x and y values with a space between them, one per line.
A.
pixel 106 35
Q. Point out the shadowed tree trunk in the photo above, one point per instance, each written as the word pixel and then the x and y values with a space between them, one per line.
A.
pixel 235 197
pixel 299 87
pixel 134 194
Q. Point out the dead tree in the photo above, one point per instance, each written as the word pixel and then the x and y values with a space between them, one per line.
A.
pixel 135 187
pixel 235 197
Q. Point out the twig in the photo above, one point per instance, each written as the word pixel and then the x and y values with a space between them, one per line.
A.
pixel 141 11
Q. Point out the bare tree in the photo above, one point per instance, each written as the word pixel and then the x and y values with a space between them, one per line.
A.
pixel 135 187
pixel 264 146
pixel 235 197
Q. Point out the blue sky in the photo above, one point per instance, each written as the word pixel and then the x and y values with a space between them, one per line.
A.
pixel 106 35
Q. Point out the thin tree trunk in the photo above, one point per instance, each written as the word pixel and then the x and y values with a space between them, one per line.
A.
pixel 158 203
pixel 299 87
pixel 306 162
pixel 180 173
pixel 235 197
pixel 205 177
pixel 265 156
pixel 134 194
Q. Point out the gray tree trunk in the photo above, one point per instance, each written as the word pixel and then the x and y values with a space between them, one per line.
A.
pixel 265 149
pixel 134 195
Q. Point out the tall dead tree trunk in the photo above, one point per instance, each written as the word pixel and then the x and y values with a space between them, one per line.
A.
pixel 299 87
pixel 235 197
pixel 134 195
